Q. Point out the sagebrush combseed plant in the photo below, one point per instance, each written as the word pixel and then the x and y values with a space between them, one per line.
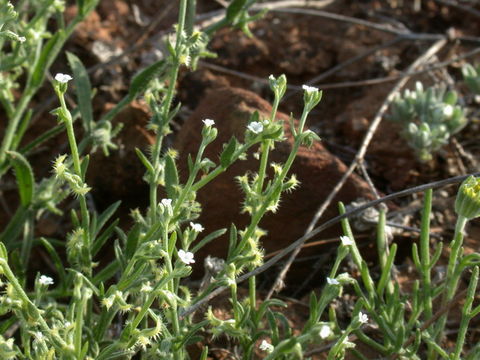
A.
pixel 140 304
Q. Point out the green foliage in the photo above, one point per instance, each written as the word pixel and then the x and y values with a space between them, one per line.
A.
pixel 130 306
pixel 471 75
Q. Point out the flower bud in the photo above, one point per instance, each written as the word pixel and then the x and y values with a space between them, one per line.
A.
pixel 467 203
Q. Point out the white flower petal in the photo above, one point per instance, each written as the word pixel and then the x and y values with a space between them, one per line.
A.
pixel 255 127
pixel 325 331
pixel 63 78
pixel 166 202
pixel 196 227
pixel 266 346
pixel 45 280
pixel 363 318
pixel 331 281
pixel 186 257
pixel 309 89
pixel 208 122
pixel 346 241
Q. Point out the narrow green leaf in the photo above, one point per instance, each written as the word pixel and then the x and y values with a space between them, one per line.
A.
pixel 22 128
pixel 57 262
pixel 228 151
pixel 208 238
pixel 3 252
pixel 24 175
pixel 106 215
pixel 232 241
pixel 145 161
pixel 171 176
pixel 106 273
pixel 102 239
pixel 385 278
pixel 84 165
pixel 48 54
pixel 234 10
pixel 132 241
pixel 83 90
pixel 122 261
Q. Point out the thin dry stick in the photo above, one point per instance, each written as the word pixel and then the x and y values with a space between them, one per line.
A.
pixel 268 264
pixel 358 158
pixel 465 8
pixel 348 19
pixel 381 27
pixel 367 178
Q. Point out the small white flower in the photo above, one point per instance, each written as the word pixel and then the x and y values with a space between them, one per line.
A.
pixel 271 77
pixel 21 39
pixel 346 241
pixel 363 318
pixel 325 331
pixel 186 257
pixel 309 89
pixel 166 202
pixel 196 227
pixel 45 280
pixel 448 110
pixel 266 346
pixel 208 122
pixel 331 281
pixel 63 78
pixel 255 127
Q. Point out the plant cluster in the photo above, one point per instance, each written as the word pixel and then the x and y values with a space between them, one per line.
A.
pixel 428 118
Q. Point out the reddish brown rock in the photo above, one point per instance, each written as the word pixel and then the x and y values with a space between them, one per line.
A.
pixel 316 168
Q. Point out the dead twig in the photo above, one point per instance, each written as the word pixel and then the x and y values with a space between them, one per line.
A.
pixel 456 5
pixel 359 157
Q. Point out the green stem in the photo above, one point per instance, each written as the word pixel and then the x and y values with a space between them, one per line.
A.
pixel 453 276
pixel 191 178
pixel 219 169
pixel 79 325
pixel 466 314
pixel 236 312
pixel 167 104
pixel 78 169
pixel 12 126
pixel 425 254
pixel 266 149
